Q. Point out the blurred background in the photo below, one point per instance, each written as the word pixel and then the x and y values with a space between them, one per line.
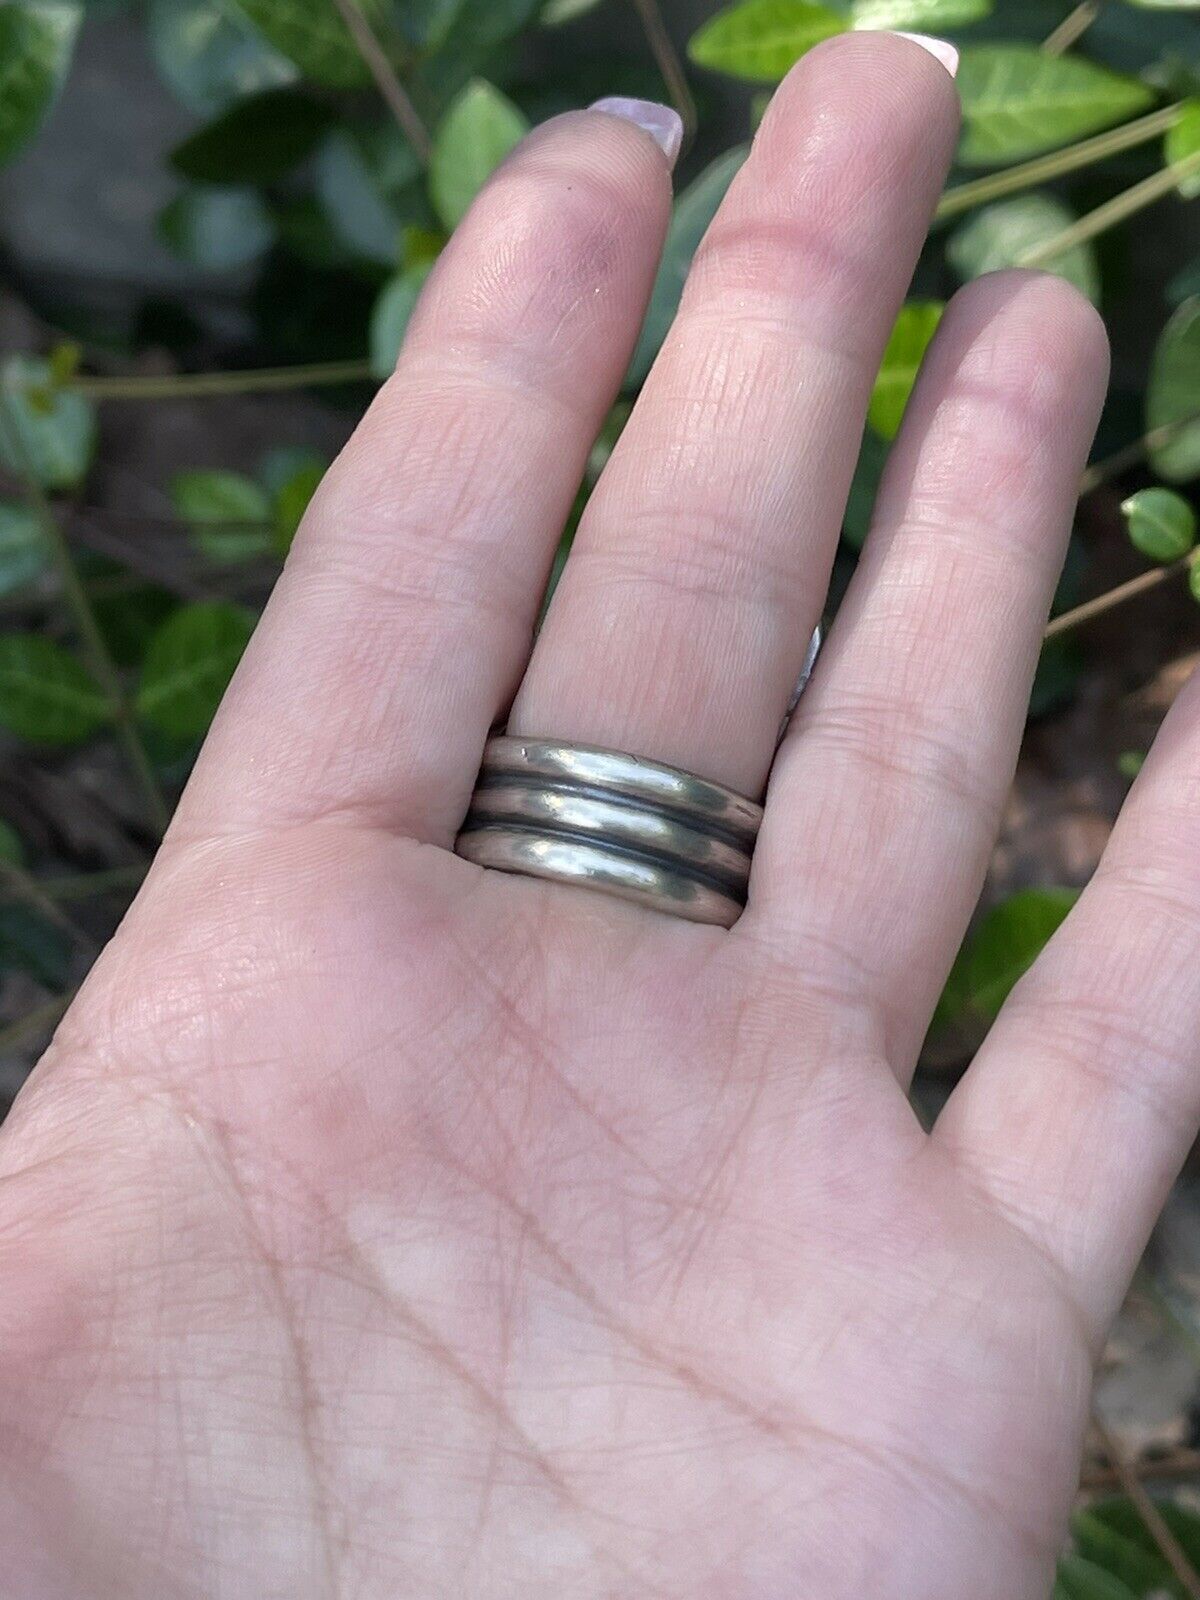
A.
pixel 215 219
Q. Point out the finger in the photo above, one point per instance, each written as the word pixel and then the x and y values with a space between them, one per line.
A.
pixel 681 621
pixel 886 796
pixel 1085 1098
pixel 404 617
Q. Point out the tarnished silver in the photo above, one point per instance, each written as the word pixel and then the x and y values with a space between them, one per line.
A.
pixel 614 822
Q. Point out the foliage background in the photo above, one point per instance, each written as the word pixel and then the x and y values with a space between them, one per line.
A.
pixel 215 218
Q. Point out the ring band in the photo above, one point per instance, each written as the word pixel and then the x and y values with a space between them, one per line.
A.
pixel 610 821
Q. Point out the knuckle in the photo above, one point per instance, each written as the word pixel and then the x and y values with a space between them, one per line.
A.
pixel 902 746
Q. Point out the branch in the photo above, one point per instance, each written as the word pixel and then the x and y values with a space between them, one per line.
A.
pixel 1118 209
pixel 669 64
pixel 1117 597
pixel 92 638
pixel 979 191
pixel 34 1022
pixel 395 95
pixel 1072 28
pixel 22 886
pixel 1168 1545
pixel 193 385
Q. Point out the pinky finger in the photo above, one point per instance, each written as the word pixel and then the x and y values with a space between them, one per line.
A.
pixel 1084 1100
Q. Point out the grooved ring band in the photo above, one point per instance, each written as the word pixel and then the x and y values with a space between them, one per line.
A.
pixel 613 822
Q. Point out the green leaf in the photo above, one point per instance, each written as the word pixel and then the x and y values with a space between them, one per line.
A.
pixel 127 613
pixel 1121 1520
pixel 762 39
pixel 472 139
pixel 1194 580
pixel 292 475
pixel 556 12
pixel 1181 143
pixel 46 694
pixel 279 465
pixel 1161 524
pixel 1018 101
pixel 1173 395
pixel 36 42
pixel 1083 1580
pixel 311 33
pixel 361 179
pixel 389 319
pixel 45 431
pixel 230 516
pixel 188 665
pixel 1003 947
pixel 1001 235
pixel 860 503
pixel 1131 762
pixel 694 210
pixel 257 140
pixel 915 327
pixel 217 229
pixel 918 15
pixel 12 851
pixel 210 56
pixel 23 550
pixel 467 40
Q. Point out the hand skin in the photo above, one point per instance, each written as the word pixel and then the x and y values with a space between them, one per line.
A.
pixel 380 1227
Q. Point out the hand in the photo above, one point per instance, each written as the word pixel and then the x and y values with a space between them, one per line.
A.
pixel 379 1226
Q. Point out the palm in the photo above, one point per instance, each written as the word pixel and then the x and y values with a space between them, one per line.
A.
pixel 382 1226
pixel 599 1247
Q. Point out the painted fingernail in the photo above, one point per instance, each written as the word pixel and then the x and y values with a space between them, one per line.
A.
pixel 941 48
pixel 663 125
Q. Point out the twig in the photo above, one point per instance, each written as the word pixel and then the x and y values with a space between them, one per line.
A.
pixel 190 385
pixel 22 886
pixel 1168 1545
pixel 395 96
pixel 34 1022
pixel 1118 209
pixel 92 638
pixel 1130 454
pixel 84 885
pixel 669 65
pixel 1178 1464
pixel 979 191
pixel 1072 28
pixel 1116 597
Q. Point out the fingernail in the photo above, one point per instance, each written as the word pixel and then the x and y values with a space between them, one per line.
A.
pixel 663 125
pixel 941 48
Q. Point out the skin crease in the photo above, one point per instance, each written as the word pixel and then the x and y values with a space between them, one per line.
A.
pixel 376 1226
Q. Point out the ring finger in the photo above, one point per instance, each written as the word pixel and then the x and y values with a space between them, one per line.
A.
pixel 700 568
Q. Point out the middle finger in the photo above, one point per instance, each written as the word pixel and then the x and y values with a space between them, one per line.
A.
pixel 699 570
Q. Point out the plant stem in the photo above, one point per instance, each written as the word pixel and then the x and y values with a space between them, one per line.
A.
pixel 80 885
pixel 22 886
pixel 1168 1545
pixel 1116 210
pixel 669 65
pixel 1117 597
pixel 979 191
pixel 1129 455
pixel 1072 28
pixel 395 96
pixel 34 1022
pixel 84 616
pixel 1180 1463
pixel 191 385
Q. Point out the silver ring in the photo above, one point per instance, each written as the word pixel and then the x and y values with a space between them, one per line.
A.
pixel 611 821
